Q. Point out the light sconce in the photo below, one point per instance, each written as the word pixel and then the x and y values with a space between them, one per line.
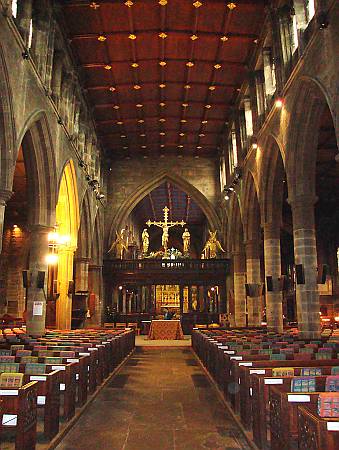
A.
pixel 279 103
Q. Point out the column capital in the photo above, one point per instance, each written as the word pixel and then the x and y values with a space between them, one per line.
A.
pixel 82 259
pixel 5 195
pixel 302 200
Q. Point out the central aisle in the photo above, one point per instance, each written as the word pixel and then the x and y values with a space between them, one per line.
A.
pixel 161 399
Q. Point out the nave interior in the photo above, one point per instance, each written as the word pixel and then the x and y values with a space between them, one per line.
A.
pixel 169 224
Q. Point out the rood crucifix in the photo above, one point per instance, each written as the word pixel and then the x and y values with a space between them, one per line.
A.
pixel 165 225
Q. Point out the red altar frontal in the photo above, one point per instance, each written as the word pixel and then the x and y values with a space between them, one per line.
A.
pixel 165 329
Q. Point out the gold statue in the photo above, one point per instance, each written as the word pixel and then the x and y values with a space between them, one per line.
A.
pixel 119 245
pixel 212 246
pixel 186 238
pixel 145 241
pixel 165 225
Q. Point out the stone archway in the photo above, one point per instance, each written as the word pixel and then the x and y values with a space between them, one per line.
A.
pixel 126 208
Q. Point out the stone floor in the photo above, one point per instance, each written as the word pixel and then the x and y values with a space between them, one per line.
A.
pixel 161 399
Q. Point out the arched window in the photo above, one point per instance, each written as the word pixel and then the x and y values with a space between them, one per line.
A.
pixel 30 34
pixel 14 8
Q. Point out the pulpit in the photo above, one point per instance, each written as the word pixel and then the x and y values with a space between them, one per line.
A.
pixel 165 329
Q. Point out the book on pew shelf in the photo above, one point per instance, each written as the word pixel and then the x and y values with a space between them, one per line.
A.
pixel 283 372
pixel 303 384
pixel 11 380
pixel 332 383
pixel 310 371
pixel 328 404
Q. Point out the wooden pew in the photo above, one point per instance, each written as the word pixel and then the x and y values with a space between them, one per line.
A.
pixel 315 432
pixel 19 414
pixel 284 413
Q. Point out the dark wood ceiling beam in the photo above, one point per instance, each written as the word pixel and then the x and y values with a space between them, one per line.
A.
pixel 193 119
pixel 191 102
pixel 170 130
pixel 168 60
pixel 157 144
pixel 152 83
pixel 82 3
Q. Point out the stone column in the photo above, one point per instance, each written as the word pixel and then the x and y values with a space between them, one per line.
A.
pixel 254 306
pixel 115 297
pixel 36 296
pixel 4 197
pixel 81 274
pixel 239 274
pixel 305 253
pixel 65 275
pixel 95 281
pixel 181 294
pixel 222 304
pixel 274 309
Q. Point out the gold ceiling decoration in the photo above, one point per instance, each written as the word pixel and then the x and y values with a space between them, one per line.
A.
pixel 141 121
pixel 185 105
pixel 217 66
pixel 162 63
pixel 187 86
pixel 204 121
pixel 162 133
pixel 129 3
pixel 162 35
pixel 190 64
pixel 182 134
pixel 231 5
pixel 199 146
pixel 212 88
pixel 120 123
pixel 139 105
pixel 137 86
pixel 112 88
pixel 183 120
pixel 144 146
pixel 224 38
pixel 163 2
pixel 208 106
pixel 201 135
pixel 94 5
pixel 194 37
pixel 108 67
pixel 116 106
pixel 180 146
pixel 162 104
pixel 123 136
pixel 132 36
pixel 162 145
pixel 102 38
pixel 162 120
pixel 135 65
pixel 197 4
pixel 162 86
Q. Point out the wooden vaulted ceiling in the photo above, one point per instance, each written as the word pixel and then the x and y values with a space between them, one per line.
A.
pixel 162 75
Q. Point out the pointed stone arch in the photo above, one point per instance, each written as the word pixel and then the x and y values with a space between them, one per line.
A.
pixel 272 174
pixel 127 207
pixel 7 127
pixel 250 208
pixel 38 152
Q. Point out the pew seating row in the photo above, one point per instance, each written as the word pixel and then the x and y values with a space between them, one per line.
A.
pixel 283 389
pixel 44 380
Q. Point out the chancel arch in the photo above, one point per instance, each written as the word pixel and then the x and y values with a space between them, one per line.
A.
pixel 143 190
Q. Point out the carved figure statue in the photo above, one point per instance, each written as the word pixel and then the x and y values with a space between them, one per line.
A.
pixel 186 238
pixel 145 241
pixel 212 246
pixel 119 246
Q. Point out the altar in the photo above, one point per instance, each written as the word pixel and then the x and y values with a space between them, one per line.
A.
pixel 165 330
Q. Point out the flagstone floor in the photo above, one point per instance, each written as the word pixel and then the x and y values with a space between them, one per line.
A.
pixel 161 399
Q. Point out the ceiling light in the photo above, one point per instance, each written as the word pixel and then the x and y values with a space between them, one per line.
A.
pixel 190 64
pixel 199 147
pixel 162 104
pixel 187 86
pixel 162 63
pixel 162 120
pixel 162 155
pixel 180 146
pixel 163 2
pixel 135 65
pixel 279 103
pixel 197 4
pixel 141 121
pixel 132 36
pixel 137 86
pixel 144 146
pixel 201 135
pixel 217 66
pixel 112 88
pixel 162 145
pixel 182 134
pixel 162 35
pixel 212 88
pixel 123 136
pixel 231 5
pixel 102 38
pixel 139 105
pixel 120 123
pixel 161 86
pixel 116 106
pixel 129 3
pixel 125 148
pixel 224 38
pixel 183 120
pixel 194 37
pixel 142 135
pixel 108 67
pixel 185 105
pixel 208 106
pixel 94 5
pixel 204 121
pixel 162 133
pixel 256 41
